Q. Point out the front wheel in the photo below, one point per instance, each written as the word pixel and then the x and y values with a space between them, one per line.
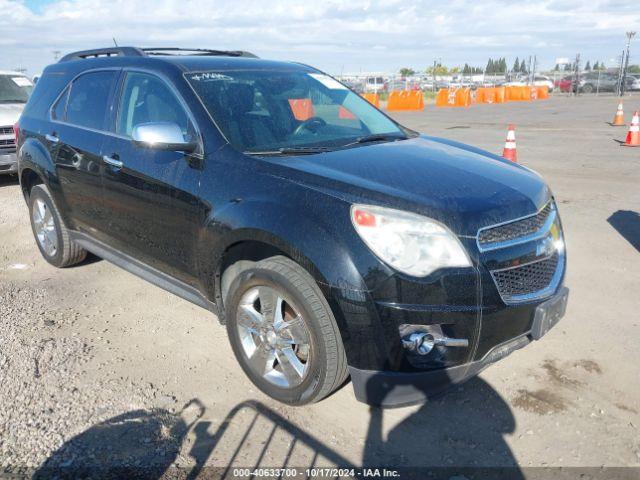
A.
pixel 283 332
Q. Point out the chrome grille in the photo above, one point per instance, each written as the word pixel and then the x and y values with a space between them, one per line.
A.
pixel 7 146
pixel 526 279
pixel 536 270
pixel 7 140
pixel 516 229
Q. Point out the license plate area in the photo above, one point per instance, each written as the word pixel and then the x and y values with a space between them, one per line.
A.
pixel 549 313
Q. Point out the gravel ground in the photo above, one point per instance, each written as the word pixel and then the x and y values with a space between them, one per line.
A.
pixel 99 368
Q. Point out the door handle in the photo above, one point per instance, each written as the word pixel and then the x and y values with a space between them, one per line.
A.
pixel 113 161
pixel 52 138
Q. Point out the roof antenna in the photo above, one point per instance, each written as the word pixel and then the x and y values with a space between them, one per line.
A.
pixel 114 41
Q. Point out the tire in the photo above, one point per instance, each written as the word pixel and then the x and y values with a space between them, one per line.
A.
pixel 325 363
pixel 587 88
pixel 65 252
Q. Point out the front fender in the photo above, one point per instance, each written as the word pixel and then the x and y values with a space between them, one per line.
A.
pixel 320 247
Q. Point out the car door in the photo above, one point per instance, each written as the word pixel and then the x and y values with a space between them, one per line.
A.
pixel 76 138
pixel 151 196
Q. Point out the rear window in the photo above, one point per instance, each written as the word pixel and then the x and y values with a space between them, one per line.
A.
pixel 87 104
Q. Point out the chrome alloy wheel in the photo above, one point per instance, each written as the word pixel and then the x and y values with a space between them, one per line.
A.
pixel 45 227
pixel 274 337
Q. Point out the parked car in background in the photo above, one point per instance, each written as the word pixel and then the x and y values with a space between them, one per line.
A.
pixel 565 83
pixel 598 81
pixel 427 85
pixel 374 84
pixel 538 81
pixel 634 84
pixel 401 84
pixel 543 81
pixel 15 89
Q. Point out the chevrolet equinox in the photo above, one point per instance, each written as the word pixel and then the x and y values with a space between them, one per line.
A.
pixel 329 239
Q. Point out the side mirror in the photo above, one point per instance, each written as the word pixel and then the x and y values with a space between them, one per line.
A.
pixel 161 136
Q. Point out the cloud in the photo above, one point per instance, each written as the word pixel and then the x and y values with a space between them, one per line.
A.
pixel 336 36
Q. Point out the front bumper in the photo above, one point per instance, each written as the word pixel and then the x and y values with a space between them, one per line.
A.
pixel 8 163
pixel 396 389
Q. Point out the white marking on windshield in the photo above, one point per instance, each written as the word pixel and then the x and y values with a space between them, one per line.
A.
pixel 209 77
pixel 328 81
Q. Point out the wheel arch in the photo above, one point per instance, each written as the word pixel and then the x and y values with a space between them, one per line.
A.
pixel 35 166
pixel 255 245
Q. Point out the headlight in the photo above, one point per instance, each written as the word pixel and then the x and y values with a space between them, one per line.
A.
pixel 408 242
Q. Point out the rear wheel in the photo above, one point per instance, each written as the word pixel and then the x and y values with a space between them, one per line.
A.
pixel 587 88
pixel 52 237
pixel 283 333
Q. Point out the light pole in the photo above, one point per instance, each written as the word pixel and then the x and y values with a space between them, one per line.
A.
pixel 630 35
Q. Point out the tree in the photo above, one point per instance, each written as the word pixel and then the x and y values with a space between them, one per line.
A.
pixel 407 72
pixel 437 70
pixel 634 69
pixel 587 67
pixel 596 66
pixel 557 67
pixel 523 67
pixel 516 65
pixel 567 67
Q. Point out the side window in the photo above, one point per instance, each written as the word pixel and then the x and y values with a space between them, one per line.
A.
pixel 145 99
pixel 88 99
pixel 59 109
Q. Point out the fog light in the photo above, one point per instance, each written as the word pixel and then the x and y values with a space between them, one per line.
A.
pixel 419 342
pixel 422 342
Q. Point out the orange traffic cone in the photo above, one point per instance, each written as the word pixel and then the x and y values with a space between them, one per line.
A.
pixel 633 137
pixel 618 120
pixel 509 151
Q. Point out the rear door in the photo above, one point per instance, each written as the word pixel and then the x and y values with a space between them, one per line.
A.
pixel 151 196
pixel 76 137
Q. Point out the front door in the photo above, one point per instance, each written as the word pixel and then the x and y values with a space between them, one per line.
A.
pixel 151 196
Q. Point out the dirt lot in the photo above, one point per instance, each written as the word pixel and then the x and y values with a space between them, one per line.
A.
pixel 141 377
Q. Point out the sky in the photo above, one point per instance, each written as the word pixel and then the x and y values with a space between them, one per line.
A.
pixel 338 37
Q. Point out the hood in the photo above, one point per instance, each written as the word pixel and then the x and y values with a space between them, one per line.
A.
pixel 461 186
pixel 10 113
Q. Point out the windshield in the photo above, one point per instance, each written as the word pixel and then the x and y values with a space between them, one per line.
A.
pixel 272 111
pixel 14 89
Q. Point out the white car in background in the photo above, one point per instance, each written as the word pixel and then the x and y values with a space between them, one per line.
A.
pixel 542 81
pixel 538 81
pixel 15 89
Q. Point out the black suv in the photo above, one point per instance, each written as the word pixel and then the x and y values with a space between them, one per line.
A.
pixel 331 240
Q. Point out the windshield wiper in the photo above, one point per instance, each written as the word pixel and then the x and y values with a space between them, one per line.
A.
pixel 376 137
pixel 13 100
pixel 379 137
pixel 292 151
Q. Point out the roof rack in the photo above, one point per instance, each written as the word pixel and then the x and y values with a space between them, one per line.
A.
pixel 145 52
pixel 198 51
pixel 104 52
